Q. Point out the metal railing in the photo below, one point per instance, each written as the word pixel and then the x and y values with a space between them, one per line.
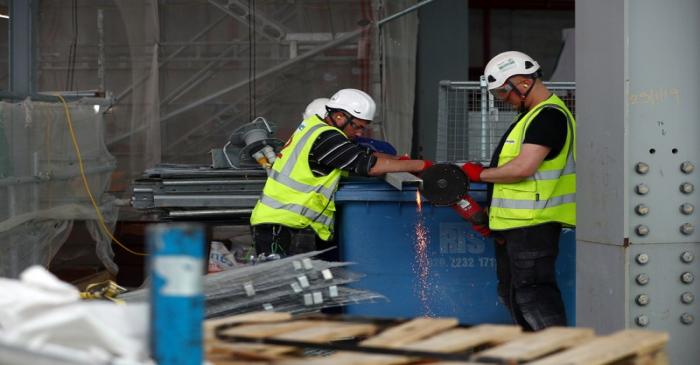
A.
pixel 471 121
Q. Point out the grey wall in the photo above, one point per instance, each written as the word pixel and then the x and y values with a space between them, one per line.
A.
pixel 443 54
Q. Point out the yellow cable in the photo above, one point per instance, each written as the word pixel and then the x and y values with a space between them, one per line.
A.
pixel 85 182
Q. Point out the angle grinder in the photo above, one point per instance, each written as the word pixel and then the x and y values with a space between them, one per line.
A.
pixel 444 184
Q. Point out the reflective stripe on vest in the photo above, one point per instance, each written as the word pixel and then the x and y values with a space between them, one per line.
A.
pixel 298 209
pixel 301 187
pixel 533 204
pixel 570 168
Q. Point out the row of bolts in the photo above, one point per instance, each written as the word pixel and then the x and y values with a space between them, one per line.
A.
pixel 686 298
pixel 686 208
pixel 686 257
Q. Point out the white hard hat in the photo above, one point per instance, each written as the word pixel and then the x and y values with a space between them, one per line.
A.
pixel 316 107
pixel 506 65
pixel 355 102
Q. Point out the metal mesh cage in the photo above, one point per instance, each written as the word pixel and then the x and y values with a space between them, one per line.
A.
pixel 471 121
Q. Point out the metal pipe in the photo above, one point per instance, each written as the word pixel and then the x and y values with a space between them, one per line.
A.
pixel 199 75
pixel 204 200
pixel 100 50
pixel 176 143
pixel 403 12
pixel 211 182
pixel 35 97
pixel 35 187
pixel 20 180
pixel 400 179
pixel 11 201
pixel 484 116
pixel 565 85
pixel 486 34
pixel 243 18
pixel 165 172
pixel 204 31
pixel 50 98
pixel 208 212
pixel 265 73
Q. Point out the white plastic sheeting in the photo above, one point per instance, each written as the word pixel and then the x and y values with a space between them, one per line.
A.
pixel 41 189
pixel 45 315
pixel 399 43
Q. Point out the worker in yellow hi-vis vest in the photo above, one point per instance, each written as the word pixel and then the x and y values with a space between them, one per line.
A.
pixel 298 198
pixel 532 190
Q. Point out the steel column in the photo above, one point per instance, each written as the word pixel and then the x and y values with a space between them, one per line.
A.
pixel 637 109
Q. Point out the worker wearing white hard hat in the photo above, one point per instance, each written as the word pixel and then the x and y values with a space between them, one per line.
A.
pixel 316 107
pixel 531 190
pixel 298 196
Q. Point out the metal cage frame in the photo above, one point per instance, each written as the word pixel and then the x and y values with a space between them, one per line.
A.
pixel 471 121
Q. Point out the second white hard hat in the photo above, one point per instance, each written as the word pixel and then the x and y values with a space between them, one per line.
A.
pixel 506 65
pixel 316 107
pixel 355 102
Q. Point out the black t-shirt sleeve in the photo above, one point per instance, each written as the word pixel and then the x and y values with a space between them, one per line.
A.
pixel 332 150
pixel 549 128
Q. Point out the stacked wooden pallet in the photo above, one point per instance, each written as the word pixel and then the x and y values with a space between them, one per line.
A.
pixel 277 338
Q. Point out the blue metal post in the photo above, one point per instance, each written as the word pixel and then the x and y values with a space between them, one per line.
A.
pixel 177 301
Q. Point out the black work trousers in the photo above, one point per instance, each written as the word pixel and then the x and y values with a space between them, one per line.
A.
pixel 285 241
pixel 525 265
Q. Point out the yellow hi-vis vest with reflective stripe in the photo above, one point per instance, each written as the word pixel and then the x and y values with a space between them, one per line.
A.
pixel 293 196
pixel 547 196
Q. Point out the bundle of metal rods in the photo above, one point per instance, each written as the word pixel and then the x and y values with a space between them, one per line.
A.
pixel 296 284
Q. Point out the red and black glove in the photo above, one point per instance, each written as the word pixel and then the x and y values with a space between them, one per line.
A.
pixel 473 171
pixel 426 164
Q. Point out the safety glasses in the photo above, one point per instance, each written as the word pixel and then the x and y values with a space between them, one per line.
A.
pixel 357 127
pixel 502 92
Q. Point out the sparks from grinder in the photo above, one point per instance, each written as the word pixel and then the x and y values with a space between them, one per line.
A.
pixel 421 267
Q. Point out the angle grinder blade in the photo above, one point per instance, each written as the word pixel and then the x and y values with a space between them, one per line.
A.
pixel 444 184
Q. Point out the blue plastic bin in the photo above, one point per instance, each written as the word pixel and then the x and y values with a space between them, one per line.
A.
pixel 377 231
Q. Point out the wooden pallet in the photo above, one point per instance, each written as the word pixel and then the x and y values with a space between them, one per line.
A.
pixel 277 338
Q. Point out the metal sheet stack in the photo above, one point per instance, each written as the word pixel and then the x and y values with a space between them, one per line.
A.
pixel 193 192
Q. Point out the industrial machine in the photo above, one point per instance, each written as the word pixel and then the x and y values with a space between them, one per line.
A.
pixel 249 145
pixel 229 187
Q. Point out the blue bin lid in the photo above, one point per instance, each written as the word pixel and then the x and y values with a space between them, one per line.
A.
pixel 355 189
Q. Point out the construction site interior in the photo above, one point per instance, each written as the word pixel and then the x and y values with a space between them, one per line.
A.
pixel 349 182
